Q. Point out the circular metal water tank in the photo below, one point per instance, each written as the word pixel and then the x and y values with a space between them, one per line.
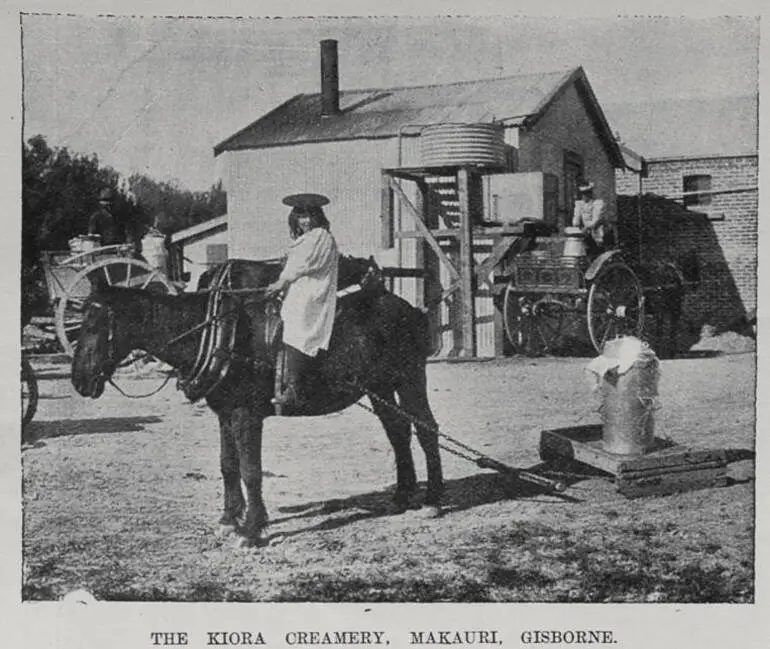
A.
pixel 449 145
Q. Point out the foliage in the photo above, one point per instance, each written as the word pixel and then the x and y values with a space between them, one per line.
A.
pixel 171 208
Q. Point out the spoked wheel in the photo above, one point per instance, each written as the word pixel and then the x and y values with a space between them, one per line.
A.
pixel 533 325
pixel 615 305
pixel 29 395
pixel 116 271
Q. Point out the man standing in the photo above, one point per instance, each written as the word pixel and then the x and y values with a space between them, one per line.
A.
pixel 590 216
pixel 103 222
pixel 309 284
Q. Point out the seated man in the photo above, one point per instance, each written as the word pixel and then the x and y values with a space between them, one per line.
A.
pixel 103 222
pixel 590 216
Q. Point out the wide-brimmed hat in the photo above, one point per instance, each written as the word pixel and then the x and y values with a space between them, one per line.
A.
pixel 586 187
pixel 306 201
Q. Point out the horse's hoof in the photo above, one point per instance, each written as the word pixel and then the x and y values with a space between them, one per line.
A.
pixel 246 542
pixel 402 504
pixel 397 508
pixel 431 511
pixel 226 530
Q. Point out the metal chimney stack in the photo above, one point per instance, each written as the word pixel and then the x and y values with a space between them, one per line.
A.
pixel 330 83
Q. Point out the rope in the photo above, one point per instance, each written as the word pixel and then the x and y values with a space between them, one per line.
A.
pixel 478 458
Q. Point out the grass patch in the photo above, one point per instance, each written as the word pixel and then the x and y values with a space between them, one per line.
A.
pixel 426 588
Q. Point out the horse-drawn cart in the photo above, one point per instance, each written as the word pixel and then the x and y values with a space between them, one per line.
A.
pixel 70 276
pixel 553 286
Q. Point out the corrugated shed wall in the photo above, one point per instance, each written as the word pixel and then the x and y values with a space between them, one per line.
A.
pixel 349 173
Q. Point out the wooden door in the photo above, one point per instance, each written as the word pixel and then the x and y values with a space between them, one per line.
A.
pixel 573 176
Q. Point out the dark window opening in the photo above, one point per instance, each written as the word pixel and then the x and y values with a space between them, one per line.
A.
pixel 692 185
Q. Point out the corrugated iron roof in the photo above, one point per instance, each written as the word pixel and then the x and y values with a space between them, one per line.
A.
pixel 688 128
pixel 383 112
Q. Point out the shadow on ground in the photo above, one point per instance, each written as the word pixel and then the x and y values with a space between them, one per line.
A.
pixel 460 495
pixel 39 430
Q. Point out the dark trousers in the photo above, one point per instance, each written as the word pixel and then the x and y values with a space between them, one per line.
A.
pixel 299 371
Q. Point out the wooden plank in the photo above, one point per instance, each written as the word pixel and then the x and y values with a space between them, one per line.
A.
pixel 669 470
pixel 424 229
pixel 419 252
pixel 499 250
pixel 386 213
pixel 449 290
pixel 454 233
pixel 466 265
pixel 396 271
pixel 665 484
pixel 672 458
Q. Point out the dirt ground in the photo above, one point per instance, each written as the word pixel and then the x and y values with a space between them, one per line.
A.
pixel 121 498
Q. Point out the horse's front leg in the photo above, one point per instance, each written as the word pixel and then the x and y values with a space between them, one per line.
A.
pixel 247 432
pixel 231 475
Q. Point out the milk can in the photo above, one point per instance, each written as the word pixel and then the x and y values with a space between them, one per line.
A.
pixel 84 243
pixel 574 244
pixel 154 250
pixel 627 375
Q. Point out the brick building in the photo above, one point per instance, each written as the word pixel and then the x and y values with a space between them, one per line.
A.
pixel 699 194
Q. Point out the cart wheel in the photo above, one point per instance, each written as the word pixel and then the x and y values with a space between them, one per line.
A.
pixel 533 327
pixel 615 305
pixel 29 395
pixel 114 271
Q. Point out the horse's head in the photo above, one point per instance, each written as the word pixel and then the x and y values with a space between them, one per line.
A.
pixel 97 352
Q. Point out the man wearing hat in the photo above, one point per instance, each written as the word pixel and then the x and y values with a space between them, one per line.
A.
pixel 103 222
pixel 590 216
pixel 309 284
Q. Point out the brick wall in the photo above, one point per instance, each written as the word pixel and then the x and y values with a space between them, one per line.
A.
pixel 724 235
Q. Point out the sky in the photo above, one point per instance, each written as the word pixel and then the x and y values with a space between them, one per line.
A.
pixel 155 95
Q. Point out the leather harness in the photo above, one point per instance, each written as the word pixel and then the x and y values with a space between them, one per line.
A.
pixel 216 351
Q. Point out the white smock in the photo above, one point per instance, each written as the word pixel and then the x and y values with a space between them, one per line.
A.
pixel 311 300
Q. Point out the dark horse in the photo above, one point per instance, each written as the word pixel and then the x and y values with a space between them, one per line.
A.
pixel 379 347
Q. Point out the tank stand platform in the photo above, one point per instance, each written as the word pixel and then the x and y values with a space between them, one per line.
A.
pixel 666 468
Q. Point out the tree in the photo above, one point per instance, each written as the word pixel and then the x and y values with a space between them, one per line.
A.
pixel 171 208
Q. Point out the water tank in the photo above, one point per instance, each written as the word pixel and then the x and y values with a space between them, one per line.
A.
pixel 458 145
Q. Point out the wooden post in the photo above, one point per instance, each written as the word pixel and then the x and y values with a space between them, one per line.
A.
pixel 468 315
pixel 387 228
pixel 386 213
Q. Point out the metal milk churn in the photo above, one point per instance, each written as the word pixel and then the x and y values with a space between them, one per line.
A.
pixel 627 375
pixel 574 244
pixel 154 250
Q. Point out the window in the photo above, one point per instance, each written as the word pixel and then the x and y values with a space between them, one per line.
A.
pixel 697 183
